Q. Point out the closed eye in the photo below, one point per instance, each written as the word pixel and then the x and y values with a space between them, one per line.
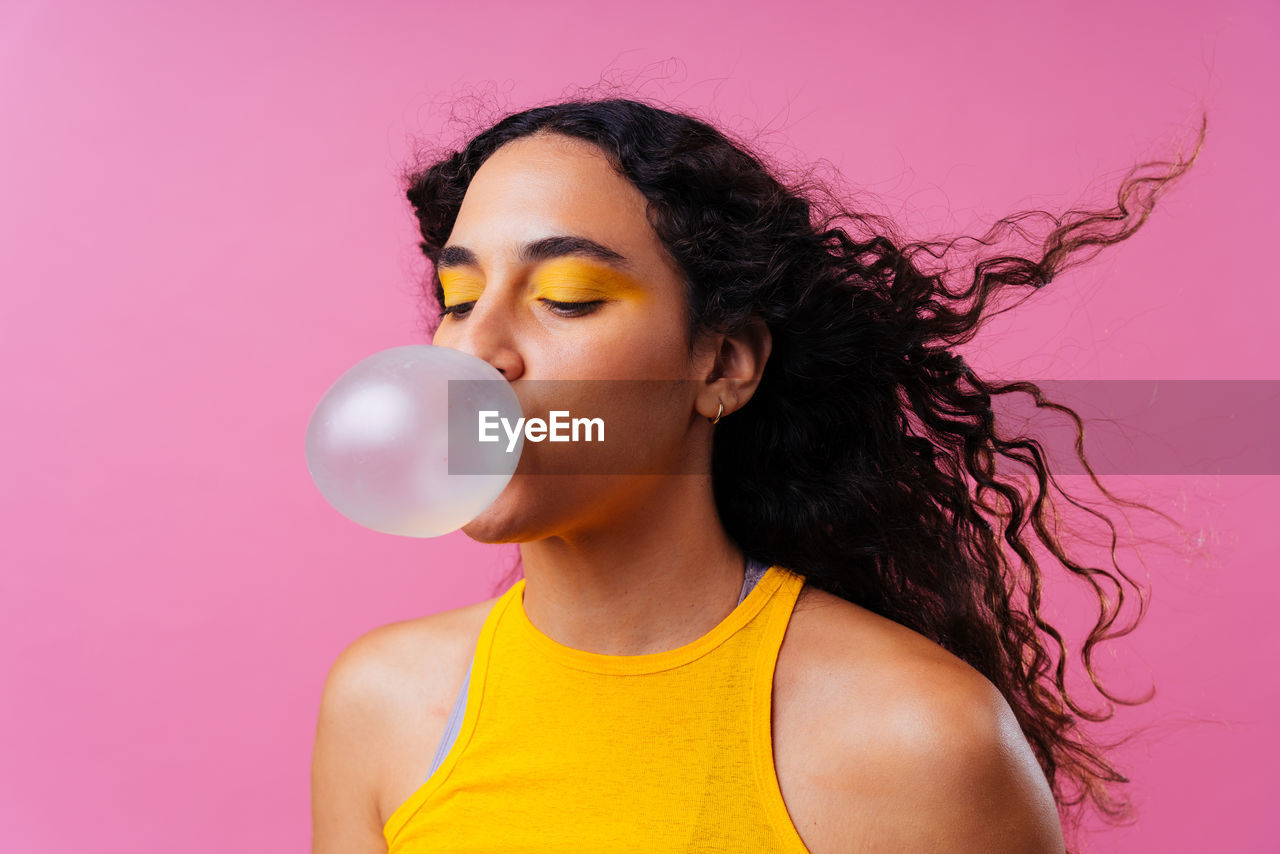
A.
pixel 572 309
pixel 558 307
pixel 457 309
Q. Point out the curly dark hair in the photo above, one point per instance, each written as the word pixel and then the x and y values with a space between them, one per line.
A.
pixel 872 443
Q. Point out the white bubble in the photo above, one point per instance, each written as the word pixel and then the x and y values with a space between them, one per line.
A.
pixel 378 443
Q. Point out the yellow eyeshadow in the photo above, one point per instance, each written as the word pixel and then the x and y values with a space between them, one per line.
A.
pixel 459 287
pixel 558 281
pixel 567 281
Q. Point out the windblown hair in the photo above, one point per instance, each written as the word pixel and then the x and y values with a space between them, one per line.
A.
pixel 865 461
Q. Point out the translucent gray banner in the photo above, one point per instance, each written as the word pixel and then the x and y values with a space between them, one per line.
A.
pixel 1142 427
pixel 1153 427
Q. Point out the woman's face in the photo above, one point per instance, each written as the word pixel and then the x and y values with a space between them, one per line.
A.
pixel 550 312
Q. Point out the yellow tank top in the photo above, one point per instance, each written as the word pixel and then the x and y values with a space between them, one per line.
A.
pixel 563 750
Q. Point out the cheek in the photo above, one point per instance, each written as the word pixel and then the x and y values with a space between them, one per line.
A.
pixel 445 334
pixel 636 346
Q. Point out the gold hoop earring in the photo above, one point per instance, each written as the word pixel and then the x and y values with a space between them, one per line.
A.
pixel 716 420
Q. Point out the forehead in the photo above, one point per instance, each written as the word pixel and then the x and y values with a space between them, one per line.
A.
pixel 552 184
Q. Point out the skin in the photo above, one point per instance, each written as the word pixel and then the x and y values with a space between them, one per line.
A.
pixel 882 740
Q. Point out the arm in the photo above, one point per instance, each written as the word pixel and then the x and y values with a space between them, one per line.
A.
pixel 344 814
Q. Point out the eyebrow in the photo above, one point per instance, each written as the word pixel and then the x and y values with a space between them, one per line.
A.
pixel 541 250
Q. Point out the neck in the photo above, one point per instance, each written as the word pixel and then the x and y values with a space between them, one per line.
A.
pixel 618 589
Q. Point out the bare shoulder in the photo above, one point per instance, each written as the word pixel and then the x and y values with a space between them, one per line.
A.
pixel 919 751
pixel 387 695
pixel 402 649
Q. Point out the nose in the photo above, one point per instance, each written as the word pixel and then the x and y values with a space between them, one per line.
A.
pixel 487 333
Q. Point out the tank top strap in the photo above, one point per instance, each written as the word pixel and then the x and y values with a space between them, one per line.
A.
pixel 776 619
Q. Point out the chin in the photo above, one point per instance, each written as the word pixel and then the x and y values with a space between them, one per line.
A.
pixel 500 522
pixel 534 508
pixel 482 530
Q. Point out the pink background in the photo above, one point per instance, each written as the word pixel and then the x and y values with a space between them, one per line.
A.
pixel 201 230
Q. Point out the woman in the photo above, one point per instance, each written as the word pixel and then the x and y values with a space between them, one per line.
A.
pixel 784 621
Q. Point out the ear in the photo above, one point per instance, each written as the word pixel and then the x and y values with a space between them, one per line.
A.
pixel 735 371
